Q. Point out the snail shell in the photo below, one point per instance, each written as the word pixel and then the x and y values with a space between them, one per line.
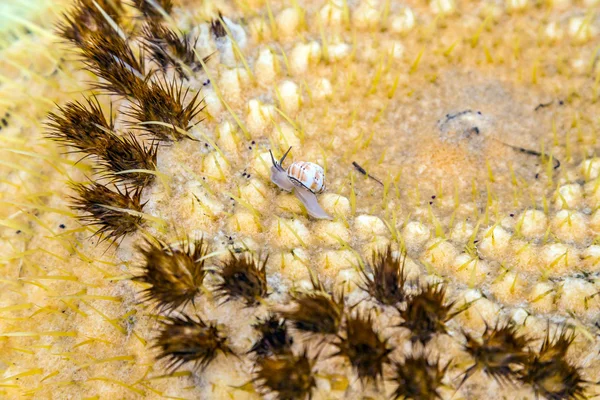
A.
pixel 307 174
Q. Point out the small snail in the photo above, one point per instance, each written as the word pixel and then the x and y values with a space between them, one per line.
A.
pixel 304 179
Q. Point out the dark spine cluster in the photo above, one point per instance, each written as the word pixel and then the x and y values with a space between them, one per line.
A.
pixel 417 377
pixel 286 376
pixel 386 284
pixel 426 313
pixel 316 311
pixel 500 353
pixel 168 48
pixel 129 161
pixel 363 347
pixel 175 273
pixel 185 340
pixel 114 211
pixel 274 338
pixel 171 49
pixel 242 278
pixel 82 127
pixel 166 109
pixel 112 59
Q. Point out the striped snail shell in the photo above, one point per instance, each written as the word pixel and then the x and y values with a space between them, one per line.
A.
pixel 307 174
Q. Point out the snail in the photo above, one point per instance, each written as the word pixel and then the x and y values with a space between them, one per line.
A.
pixel 304 179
